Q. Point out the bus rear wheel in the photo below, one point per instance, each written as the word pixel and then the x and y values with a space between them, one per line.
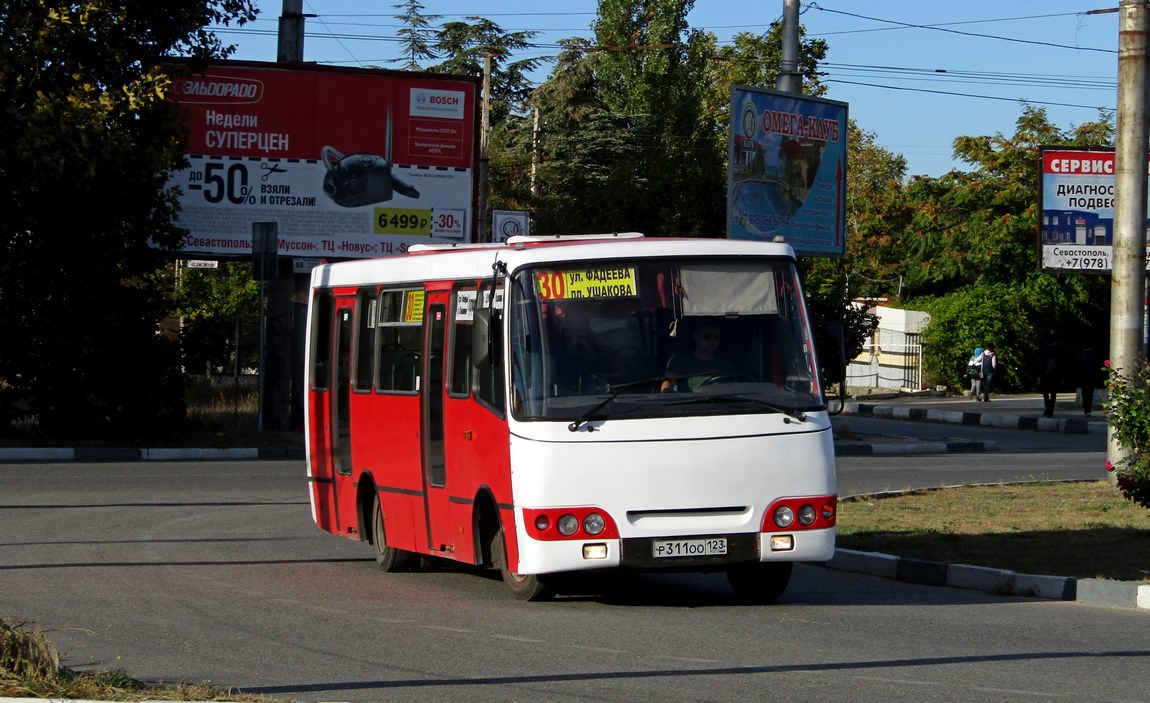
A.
pixel 760 582
pixel 388 558
pixel 532 587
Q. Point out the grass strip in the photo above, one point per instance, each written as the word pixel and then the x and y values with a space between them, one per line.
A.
pixel 1078 529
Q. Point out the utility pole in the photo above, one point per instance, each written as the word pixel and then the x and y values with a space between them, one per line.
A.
pixel 290 45
pixel 789 80
pixel 484 137
pixel 281 377
pixel 536 149
pixel 1127 345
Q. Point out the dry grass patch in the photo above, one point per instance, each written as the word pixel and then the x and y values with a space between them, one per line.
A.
pixel 1082 529
pixel 30 668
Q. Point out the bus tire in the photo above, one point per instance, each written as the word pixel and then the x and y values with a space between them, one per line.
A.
pixel 389 559
pixel 530 587
pixel 760 582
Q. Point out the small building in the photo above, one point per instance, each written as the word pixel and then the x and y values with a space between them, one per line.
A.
pixel 892 358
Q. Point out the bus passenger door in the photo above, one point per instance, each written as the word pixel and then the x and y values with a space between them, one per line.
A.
pixel 435 493
pixel 342 489
pixel 319 409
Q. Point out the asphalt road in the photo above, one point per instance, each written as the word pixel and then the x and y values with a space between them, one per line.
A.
pixel 1017 455
pixel 214 571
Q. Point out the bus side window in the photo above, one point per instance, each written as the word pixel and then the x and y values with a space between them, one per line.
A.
pixel 399 346
pixel 321 339
pixel 459 363
pixel 366 313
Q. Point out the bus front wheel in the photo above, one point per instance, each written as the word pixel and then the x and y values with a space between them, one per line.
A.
pixel 760 582
pixel 524 587
pixel 388 558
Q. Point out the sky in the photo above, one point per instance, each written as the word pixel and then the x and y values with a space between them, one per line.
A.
pixel 916 73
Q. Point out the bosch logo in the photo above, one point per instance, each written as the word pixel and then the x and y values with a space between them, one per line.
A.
pixel 440 104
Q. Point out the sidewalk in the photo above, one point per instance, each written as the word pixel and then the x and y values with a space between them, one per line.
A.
pixel 1022 412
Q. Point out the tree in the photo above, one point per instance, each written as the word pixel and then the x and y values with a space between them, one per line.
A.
pixel 90 138
pixel 465 45
pixel 414 36
pixel 969 255
pixel 217 307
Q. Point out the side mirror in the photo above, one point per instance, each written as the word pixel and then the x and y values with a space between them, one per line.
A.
pixel 834 360
pixel 481 339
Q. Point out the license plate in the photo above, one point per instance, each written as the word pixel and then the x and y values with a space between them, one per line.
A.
pixel 689 547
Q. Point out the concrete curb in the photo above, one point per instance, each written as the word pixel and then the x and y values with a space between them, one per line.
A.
pixel 1122 594
pixel 913 447
pixel 958 417
pixel 97 454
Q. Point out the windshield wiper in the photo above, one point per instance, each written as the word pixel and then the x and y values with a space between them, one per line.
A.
pixel 613 392
pixel 729 398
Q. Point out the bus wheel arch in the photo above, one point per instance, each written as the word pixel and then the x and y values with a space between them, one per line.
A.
pixel 530 587
pixel 389 559
pixel 491 551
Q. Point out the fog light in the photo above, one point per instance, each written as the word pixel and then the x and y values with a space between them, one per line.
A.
pixel 782 543
pixel 594 523
pixel 784 516
pixel 595 551
pixel 806 515
pixel 567 525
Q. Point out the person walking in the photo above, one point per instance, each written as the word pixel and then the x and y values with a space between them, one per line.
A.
pixel 1089 377
pixel 974 375
pixel 1048 377
pixel 988 361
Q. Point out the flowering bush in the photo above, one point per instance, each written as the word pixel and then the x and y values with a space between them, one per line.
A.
pixel 1128 412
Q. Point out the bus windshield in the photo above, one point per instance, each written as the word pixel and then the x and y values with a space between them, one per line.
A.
pixel 660 338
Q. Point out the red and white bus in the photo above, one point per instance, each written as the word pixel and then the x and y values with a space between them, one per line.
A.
pixel 508 406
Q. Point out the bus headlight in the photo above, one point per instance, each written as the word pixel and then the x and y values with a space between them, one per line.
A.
pixel 567 525
pixel 784 516
pixel 594 523
pixel 807 515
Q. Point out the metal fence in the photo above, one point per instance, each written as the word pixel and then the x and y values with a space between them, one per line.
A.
pixel 222 402
pixel 891 361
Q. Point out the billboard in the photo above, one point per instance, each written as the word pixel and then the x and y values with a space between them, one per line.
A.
pixel 787 173
pixel 348 162
pixel 1076 202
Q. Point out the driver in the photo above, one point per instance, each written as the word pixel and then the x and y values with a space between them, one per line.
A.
pixel 686 372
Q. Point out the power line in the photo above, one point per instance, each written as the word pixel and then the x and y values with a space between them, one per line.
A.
pixel 977 77
pixel 940 28
pixel 970 95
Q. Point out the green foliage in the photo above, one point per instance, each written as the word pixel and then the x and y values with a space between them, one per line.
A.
pixel 1128 414
pixel 220 312
pixel 465 43
pixel 89 140
pixel 1018 318
pixel 635 122
pixel 963 247
pixel 829 299
pixel 415 37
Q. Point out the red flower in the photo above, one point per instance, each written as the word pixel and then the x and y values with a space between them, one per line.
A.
pixel 1124 482
pixel 1106 363
pixel 1109 466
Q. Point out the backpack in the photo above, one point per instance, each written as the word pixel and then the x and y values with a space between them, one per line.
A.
pixel 987 363
pixel 973 372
